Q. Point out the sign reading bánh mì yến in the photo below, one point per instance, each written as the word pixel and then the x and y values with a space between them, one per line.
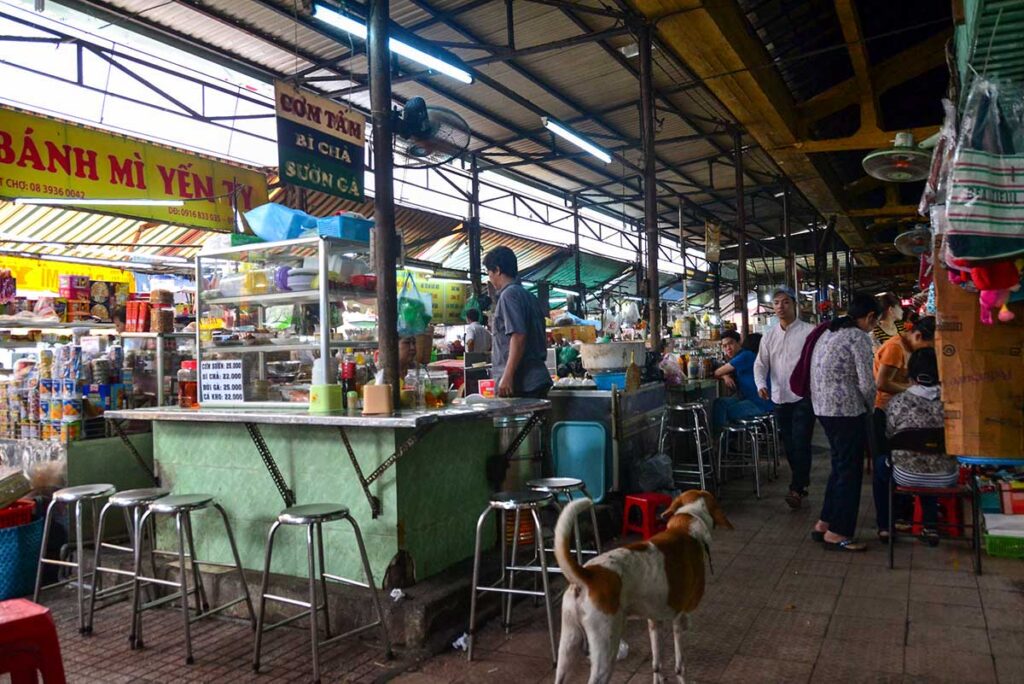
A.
pixel 50 158
pixel 320 143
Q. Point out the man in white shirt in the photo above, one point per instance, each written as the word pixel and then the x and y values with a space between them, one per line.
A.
pixel 779 354
pixel 478 338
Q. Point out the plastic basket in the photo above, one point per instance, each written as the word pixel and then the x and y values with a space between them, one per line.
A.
pixel 1004 547
pixel 18 513
pixel 19 556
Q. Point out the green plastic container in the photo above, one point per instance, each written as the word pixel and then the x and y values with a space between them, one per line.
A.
pixel 1004 547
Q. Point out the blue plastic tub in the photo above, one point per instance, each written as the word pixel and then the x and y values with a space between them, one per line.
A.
pixel 345 227
pixel 19 556
pixel 606 380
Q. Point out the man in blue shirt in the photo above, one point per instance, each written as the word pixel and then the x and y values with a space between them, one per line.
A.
pixel 519 340
pixel 738 373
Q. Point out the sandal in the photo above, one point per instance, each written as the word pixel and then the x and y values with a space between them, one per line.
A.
pixel 930 537
pixel 883 536
pixel 847 545
pixel 794 500
pixel 817 536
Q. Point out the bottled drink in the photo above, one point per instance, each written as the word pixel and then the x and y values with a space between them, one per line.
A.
pixel 348 373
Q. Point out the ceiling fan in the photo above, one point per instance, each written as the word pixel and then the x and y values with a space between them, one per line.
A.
pixel 903 163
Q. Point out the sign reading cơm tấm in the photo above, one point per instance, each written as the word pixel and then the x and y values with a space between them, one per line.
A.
pixel 319 142
pixel 45 157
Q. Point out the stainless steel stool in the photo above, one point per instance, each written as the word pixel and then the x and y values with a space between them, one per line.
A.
pixel 770 437
pixel 531 502
pixel 567 487
pixel 131 502
pixel 181 506
pixel 313 516
pixel 77 495
pixel 692 421
pixel 748 453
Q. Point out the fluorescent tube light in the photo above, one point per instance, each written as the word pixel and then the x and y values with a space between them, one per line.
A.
pixel 564 291
pixel 419 269
pixel 62 201
pixel 345 23
pixel 464 281
pixel 576 139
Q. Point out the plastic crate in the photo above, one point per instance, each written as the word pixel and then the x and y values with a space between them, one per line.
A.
pixel 19 556
pixel 346 227
pixel 1004 547
pixel 1012 499
pixel 18 513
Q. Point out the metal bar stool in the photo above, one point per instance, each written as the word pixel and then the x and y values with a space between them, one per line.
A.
pixel 768 441
pixel 567 487
pixel 746 455
pixel 530 502
pixel 313 516
pixel 181 506
pixel 692 420
pixel 131 502
pixel 77 495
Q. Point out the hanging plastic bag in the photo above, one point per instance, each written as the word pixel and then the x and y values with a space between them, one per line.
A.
pixel 274 222
pixel 415 309
pixel 985 204
pixel 471 303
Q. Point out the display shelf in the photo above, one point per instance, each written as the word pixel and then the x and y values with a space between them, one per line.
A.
pixel 298 248
pixel 296 296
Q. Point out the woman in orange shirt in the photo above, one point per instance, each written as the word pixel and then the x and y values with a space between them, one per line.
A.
pixel 890 368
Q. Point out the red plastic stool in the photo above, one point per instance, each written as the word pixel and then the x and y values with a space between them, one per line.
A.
pixel 650 505
pixel 28 643
pixel 949 515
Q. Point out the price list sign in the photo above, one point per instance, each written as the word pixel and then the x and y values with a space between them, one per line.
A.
pixel 221 381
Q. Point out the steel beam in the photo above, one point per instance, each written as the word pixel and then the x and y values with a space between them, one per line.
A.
pixel 473 226
pixel 386 244
pixel 741 233
pixel 650 189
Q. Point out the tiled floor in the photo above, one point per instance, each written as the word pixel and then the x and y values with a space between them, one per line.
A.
pixel 779 608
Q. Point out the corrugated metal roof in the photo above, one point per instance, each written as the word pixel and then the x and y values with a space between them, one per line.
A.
pixel 595 270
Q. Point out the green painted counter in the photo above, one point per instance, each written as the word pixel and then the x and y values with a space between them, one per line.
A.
pixel 430 499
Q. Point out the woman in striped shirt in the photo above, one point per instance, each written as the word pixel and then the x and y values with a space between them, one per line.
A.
pixel 890 322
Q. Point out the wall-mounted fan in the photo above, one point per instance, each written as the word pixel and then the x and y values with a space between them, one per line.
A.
pixel 914 242
pixel 429 136
pixel 902 163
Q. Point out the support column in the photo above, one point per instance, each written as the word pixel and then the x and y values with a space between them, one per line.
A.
pixel 473 227
pixel 787 230
pixel 576 254
pixel 741 231
pixel 385 240
pixel 682 251
pixel 650 186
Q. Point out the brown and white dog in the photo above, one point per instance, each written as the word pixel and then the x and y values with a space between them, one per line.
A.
pixel 661 579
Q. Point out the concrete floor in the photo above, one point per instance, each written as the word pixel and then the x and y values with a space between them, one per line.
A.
pixel 779 608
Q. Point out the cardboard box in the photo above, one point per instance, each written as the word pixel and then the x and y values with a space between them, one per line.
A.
pixel 982 372
pixel 105 397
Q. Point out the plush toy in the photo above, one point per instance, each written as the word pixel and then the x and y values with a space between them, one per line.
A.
pixel 995 282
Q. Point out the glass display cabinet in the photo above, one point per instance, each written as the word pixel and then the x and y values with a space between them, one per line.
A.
pixel 151 363
pixel 270 314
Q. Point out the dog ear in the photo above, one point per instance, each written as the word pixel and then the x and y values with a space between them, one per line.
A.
pixel 717 515
pixel 672 508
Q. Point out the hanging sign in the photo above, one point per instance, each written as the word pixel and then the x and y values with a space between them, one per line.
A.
pixel 221 381
pixel 712 241
pixel 46 157
pixel 319 143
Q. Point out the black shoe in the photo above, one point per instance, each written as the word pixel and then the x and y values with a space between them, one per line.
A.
pixel 794 499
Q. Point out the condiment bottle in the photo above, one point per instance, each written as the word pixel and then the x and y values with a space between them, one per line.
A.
pixel 188 386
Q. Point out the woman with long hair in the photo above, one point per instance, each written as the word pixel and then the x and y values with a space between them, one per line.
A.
pixel 842 391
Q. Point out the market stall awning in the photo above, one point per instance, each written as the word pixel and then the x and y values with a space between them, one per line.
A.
pixel 595 270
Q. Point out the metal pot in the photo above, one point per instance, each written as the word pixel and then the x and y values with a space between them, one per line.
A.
pixel 611 355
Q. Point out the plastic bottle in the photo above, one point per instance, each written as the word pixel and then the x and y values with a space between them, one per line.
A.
pixel 188 385
pixel 348 373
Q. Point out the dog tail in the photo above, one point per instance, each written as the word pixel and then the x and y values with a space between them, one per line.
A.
pixel 571 568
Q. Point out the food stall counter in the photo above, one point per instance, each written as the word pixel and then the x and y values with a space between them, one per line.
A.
pixel 415 481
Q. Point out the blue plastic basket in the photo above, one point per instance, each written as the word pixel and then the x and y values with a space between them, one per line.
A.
pixel 345 227
pixel 19 557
